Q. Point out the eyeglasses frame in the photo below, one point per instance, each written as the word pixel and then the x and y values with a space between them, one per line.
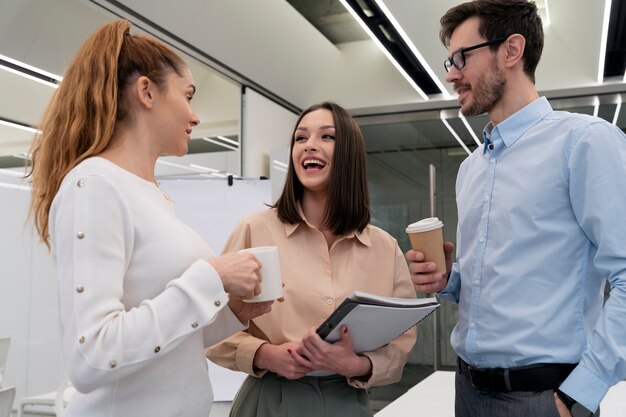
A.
pixel 449 62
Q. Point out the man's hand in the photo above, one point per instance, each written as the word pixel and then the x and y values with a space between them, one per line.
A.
pixel 423 274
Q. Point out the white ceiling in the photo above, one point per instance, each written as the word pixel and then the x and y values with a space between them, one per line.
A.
pixel 269 46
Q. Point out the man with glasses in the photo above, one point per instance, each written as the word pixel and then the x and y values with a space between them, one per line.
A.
pixel 541 229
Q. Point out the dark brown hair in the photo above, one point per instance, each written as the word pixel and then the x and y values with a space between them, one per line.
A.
pixel 347 207
pixel 81 118
pixel 500 19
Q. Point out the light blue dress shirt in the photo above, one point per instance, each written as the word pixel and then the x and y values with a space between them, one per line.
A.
pixel 542 224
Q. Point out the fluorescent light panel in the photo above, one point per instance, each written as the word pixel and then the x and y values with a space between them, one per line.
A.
pixel 603 40
pixel 617 110
pixel 217 142
pixel 458 139
pixel 544 12
pixel 18 126
pixel 412 47
pixel 27 69
pixel 384 50
pixel 469 129
pixel 227 140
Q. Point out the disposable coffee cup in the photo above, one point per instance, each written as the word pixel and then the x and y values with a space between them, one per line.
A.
pixel 426 236
pixel 271 282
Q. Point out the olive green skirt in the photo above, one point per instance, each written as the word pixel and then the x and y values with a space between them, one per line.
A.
pixel 275 396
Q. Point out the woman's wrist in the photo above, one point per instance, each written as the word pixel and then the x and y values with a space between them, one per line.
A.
pixel 362 368
pixel 259 362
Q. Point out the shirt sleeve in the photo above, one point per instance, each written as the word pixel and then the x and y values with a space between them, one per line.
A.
pixel 452 290
pixel 93 238
pixel 597 175
pixel 237 352
pixel 388 361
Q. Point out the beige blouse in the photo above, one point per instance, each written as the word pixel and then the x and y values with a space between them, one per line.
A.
pixel 316 281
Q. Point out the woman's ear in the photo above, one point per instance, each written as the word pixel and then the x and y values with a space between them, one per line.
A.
pixel 144 90
pixel 514 48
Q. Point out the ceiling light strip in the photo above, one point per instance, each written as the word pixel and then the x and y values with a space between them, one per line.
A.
pixel 216 142
pixel 618 108
pixel 228 140
pixel 603 40
pixel 17 125
pixel 547 9
pixel 28 71
pixel 384 50
pixel 458 139
pixel 413 48
pixel 469 129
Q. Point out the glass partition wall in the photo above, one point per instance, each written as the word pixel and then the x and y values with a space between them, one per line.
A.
pixel 413 159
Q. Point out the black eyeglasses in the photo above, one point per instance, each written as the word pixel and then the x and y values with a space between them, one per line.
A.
pixel 458 58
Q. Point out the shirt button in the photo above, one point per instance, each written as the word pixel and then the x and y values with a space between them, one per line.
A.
pixel 486 198
pixel 492 160
pixel 80 288
pixel 157 349
pixel 80 183
pixel 80 235
pixel 217 303
pixel 195 324
pixel 81 339
pixel 482 239
pixel 329 301
pixel 112 364
pixel 472 325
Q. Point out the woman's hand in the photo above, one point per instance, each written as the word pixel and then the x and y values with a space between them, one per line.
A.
pixel 248 311
pixel 281 359
pixel 337 357
pixel 239 273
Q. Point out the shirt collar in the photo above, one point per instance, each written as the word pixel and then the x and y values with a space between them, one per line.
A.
pixel 514 127
pixel 362 237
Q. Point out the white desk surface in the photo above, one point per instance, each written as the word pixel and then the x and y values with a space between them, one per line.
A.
pixel 434 396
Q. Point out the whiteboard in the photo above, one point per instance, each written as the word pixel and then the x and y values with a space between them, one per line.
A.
pixel 212 208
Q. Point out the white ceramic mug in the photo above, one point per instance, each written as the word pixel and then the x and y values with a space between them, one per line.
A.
pixel 271 282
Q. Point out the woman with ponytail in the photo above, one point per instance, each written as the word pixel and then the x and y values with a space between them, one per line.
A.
pixel 140 293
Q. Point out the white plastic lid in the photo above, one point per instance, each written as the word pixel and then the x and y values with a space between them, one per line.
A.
pixel 424 225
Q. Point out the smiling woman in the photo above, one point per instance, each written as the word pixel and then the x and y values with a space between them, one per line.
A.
pixel 327 250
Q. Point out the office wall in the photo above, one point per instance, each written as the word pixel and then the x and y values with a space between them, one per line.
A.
pixel 28 299
pixel 264 125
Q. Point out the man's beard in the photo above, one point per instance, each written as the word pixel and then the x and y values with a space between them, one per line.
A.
pixel 486 94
